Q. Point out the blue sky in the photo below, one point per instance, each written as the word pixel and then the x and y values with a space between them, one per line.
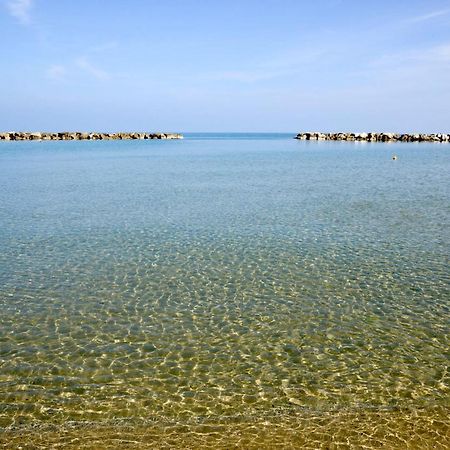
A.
pixel 225 65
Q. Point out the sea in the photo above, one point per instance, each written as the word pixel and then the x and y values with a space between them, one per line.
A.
pixel 227 290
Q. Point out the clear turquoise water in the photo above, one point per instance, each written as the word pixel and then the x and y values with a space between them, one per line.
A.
pixel 225 279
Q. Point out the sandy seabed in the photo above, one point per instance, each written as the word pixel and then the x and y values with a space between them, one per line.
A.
pixel 392 429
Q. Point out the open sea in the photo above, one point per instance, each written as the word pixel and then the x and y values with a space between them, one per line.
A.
pixel 224 291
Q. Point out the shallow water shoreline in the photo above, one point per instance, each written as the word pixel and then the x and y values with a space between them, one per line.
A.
pixel 258 293
pixel 395 428
pixel 81 136
pixel 373 137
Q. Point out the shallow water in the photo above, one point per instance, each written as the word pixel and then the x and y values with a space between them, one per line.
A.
pixel 224 291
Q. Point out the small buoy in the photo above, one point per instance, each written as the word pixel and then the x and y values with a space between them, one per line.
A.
pixel 394 157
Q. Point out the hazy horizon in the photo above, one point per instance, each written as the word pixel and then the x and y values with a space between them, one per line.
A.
pixel 261 66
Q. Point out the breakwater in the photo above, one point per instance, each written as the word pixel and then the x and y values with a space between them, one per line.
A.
pixel 80 136
pixel 373 137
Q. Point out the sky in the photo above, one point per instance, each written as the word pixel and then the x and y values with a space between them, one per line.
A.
pixel 225 65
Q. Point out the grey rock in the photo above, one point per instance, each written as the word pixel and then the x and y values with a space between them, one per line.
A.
pixel 372 137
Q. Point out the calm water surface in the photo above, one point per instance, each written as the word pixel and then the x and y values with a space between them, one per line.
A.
pixel 224 291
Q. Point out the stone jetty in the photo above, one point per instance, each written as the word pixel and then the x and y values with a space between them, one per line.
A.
pixel 373 137
pixel 81 136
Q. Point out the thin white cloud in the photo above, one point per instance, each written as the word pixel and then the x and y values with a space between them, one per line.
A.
pixel 20 10
pixel 418 72
pixel 56 72
pixel 441 53
pixel 429 16
pixel 432 56
pixel 248 76
pixel 105 47
pixel 88 67
pixel 286 64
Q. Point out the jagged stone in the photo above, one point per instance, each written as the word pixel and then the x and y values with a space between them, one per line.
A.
pixel 373 137
pixel 77 135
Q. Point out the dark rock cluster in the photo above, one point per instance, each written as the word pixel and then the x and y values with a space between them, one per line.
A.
pixel 78 136
pixel 374 137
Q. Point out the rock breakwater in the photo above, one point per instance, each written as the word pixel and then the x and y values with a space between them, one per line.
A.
pixel 373 137
pixel 80 136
